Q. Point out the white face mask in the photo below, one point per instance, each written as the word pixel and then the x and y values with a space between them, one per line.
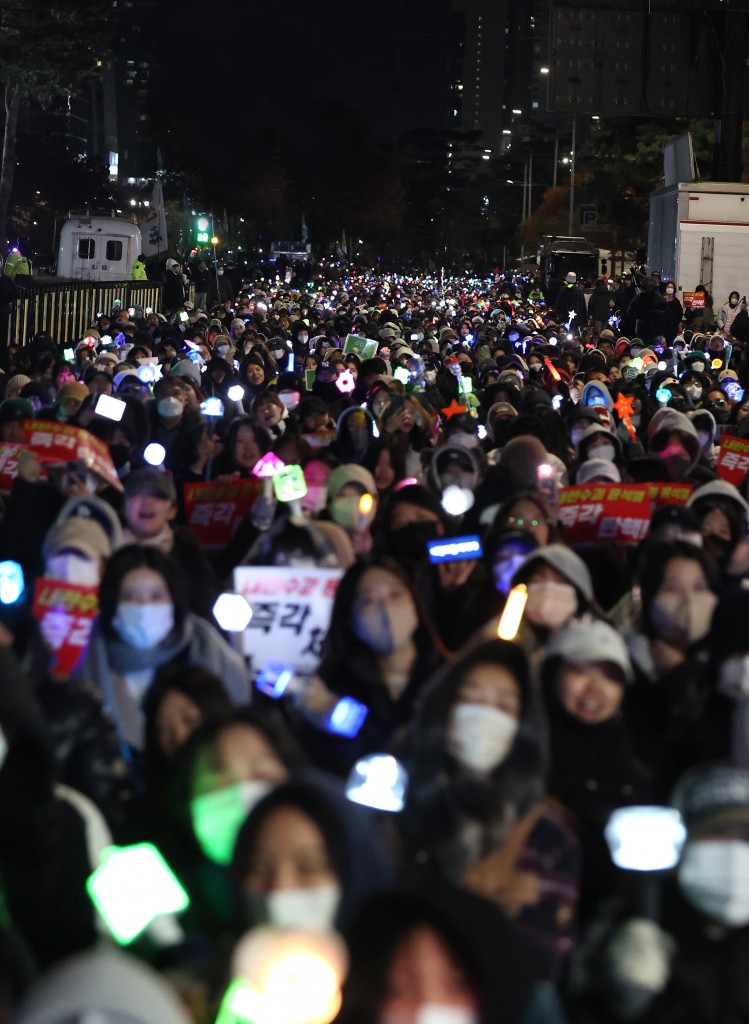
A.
pixel 433 1013
pixel 384 629
pixel 311 909
pixel 170 407
pixel 714 877
pixel 733 677
pixel 550 604
pixel 480 737
pixel 683 619
pixel 602 451
pixel 218 816
pixel 694 393
pixel 464 440
pixel 143 625
pixel 77 569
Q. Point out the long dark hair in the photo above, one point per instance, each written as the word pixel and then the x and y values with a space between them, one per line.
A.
pixel 137 556
pixel 343 653
pixel 652 570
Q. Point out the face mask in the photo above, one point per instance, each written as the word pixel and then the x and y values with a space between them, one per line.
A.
pixel 220 273
pixel 733 678
pixel 464 440
pixel 430 376
pixel 345 512
pixel 694 393
pixel 676 461
pixel 169 408
pixel 410 542
pixel 602 451
pixel 480 737
pixel 120 455
pixel 433 1013
pixel 218 816
pixel 550 604
pixel 143 625
pixel 384 630
pixel 83 572
pixel 705 439
pixel 290 399
pixel 315 499
pixel 733 303
pixel 713 877
pixel 669 293
pixel 222 349
pixel 576 436
pixel 311 909
pixel 683 620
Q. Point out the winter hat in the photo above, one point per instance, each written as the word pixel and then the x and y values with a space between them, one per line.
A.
pixel 565 561
pixel 14 410
pixel 123 375
pixel 350 473
pixel 584 642
pixel 88 506
pixel 84 535
pixel 597 430
pixel 19 381
pixel 713 489
pixel 571 277
pixel 711 795
pixel 74 390
pixel 186 368
pixel 597 468
pixel 105 985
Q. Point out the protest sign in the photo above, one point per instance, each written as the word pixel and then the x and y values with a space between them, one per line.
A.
pixel 8 465
pixel 668 494
pixel 65 613
pixel 214 510
pixel 693 300
pixel 365 348
pixel 733 459
pixel 57 443
pixel 290 613
pixel 597 514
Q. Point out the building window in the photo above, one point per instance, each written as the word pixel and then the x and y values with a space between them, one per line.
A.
pixel 114 251
pixel 86 248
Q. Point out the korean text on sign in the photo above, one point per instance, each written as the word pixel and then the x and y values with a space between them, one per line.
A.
pixel 215 510
pixel 733 459
pixel 605 514
pixel 65 613
pixel 291 611
pixel 59 443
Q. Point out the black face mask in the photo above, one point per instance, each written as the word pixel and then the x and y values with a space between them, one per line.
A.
pixel 120 455
pixel 409 543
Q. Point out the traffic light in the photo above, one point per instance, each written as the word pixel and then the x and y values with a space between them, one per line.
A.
pixel 202 225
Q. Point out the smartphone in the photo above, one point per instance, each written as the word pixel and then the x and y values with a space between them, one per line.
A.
pixel 454 549
pixel 547 482
pixel 109 407
pixel 274 679
pixel 346 718
pixel 184 317
pixel 68 355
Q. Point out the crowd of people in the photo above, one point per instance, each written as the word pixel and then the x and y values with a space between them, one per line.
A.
pixel 450 445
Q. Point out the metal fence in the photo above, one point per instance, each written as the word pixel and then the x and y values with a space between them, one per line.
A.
pixel 66 309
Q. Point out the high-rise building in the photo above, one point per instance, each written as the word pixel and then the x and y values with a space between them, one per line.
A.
pixel 479 54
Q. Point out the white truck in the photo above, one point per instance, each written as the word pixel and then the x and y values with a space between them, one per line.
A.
pixel 98 248
pixel 699 234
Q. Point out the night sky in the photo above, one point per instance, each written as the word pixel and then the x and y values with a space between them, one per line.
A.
pixel 278 65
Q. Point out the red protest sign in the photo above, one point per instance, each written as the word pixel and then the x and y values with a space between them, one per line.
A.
pixel 694 300
pixel 215 510
pixel 65 613
pixel 8 465
pixel 733 459
pixel 605 514
pixel 669 494
pixel 58 443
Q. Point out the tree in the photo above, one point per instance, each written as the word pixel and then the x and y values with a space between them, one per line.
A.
pixel 47 47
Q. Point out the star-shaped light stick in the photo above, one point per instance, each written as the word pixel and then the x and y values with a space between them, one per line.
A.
pixel 624 410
